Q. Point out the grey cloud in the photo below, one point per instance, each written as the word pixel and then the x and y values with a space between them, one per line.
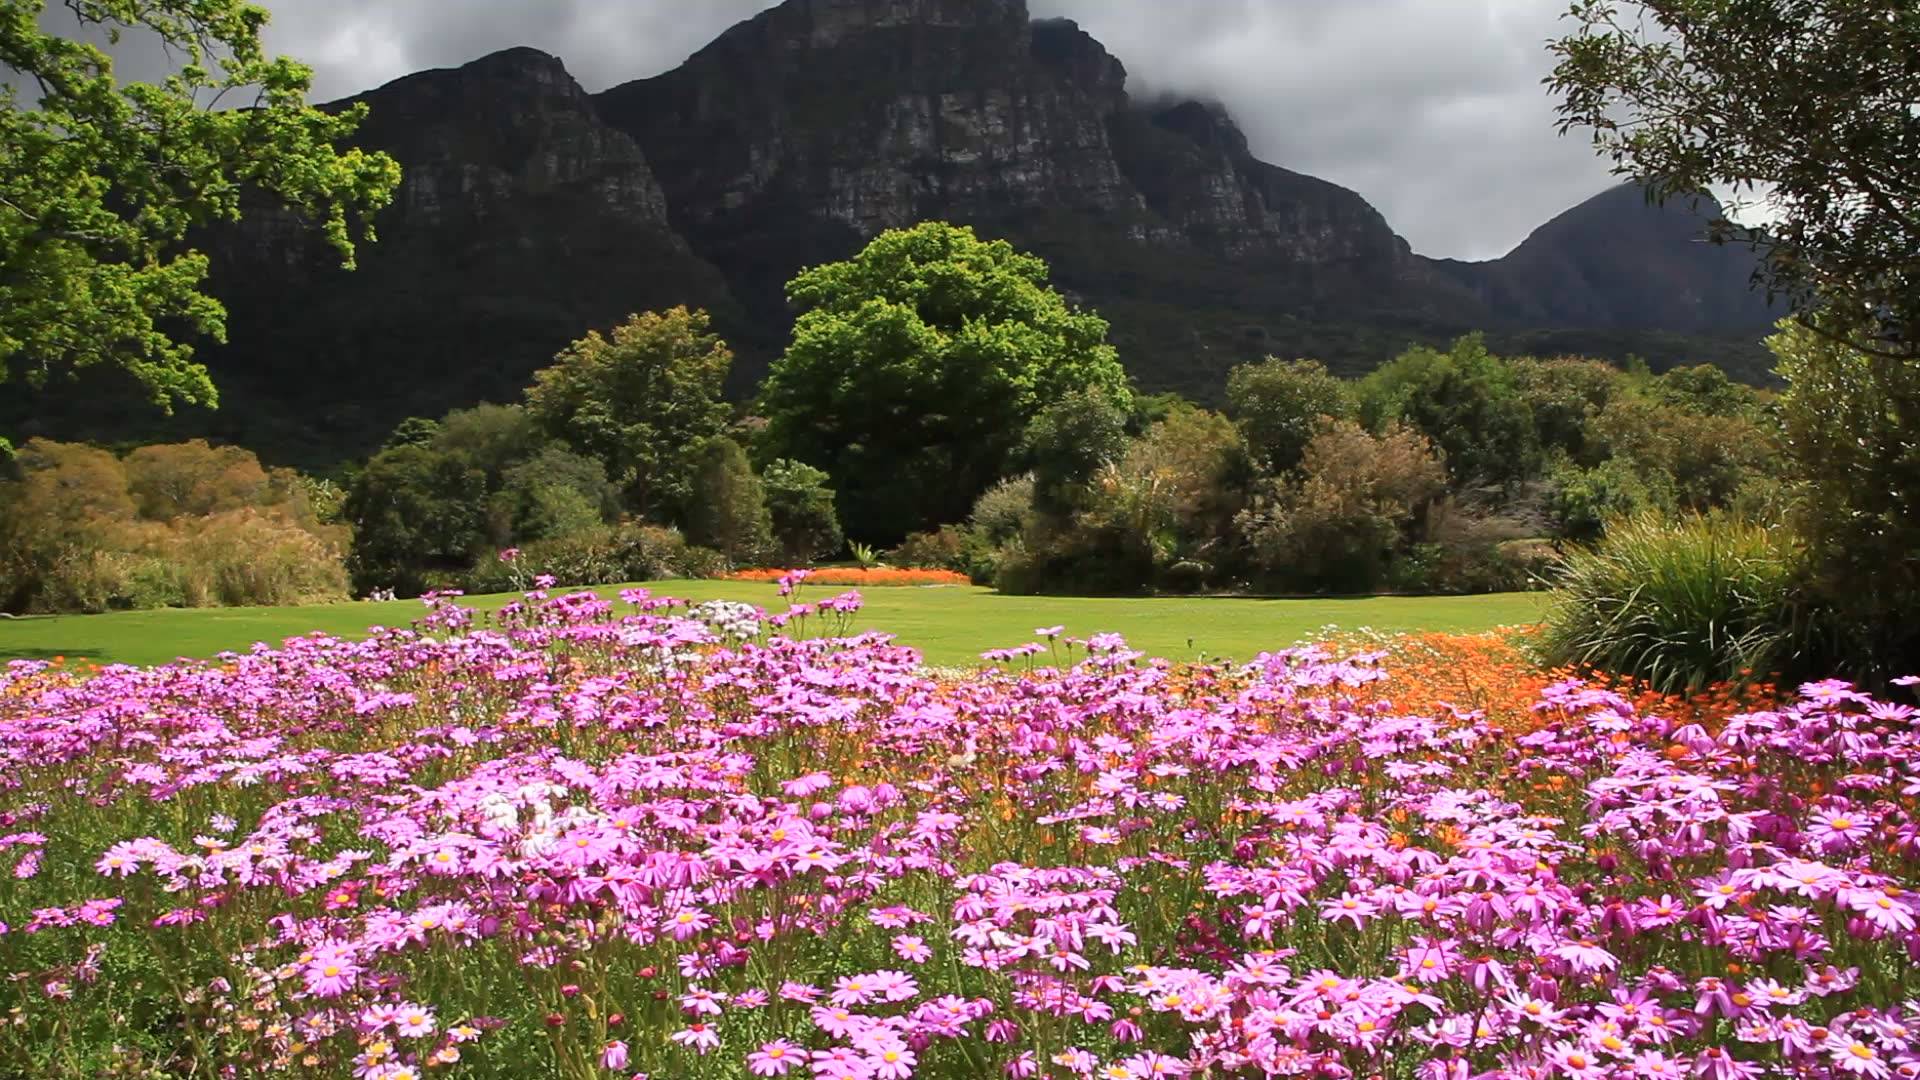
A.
pixel 1431 109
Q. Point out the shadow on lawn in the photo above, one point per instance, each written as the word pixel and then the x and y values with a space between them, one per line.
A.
pixel 78 652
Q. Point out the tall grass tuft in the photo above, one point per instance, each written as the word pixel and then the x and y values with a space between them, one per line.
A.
pixel 1677 603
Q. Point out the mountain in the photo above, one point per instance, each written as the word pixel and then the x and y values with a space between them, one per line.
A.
pixel 532 211
pixel 1616 261
pixel 522 221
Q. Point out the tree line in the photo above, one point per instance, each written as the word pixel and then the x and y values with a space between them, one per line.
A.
pixel 939 398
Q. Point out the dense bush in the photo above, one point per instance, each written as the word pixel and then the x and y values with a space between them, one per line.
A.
pixel 419 513
pixel 1079 557
pixel 442 494
pixel 552 493
pixel 603 555
pixel 1678 603
pixel 1685 460
pixel 1466 401
pixel 727 508
pixel 941 549
pixel 1581 502
pixel 1358 503
pixel 246 557
pixel 168 526
pixel 1852 437
pixel 1466 551
pixel 800 506
pixel 1281 405
pixel 1069 441
pixel 1563 395
pixel 1003 511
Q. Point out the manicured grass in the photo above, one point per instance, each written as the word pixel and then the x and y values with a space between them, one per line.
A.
pixel 950 625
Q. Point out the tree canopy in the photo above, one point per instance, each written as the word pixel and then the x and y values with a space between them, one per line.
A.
pixel 1466 400
pixel 1281 405
pixel 1804 108
pixel 1851 428
pixel 638 401
pixel 100 182
pixel 916 366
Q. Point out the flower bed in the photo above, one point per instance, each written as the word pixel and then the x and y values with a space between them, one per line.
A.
pixel 855 577
pixel 1489 675
pixel 615 841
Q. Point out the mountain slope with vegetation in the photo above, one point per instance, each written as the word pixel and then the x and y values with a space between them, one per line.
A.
pixel 531 209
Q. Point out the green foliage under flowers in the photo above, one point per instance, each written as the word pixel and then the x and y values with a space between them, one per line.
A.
pixel 583 837
pixel 102 182
pixel 915 367
pixel 1679 603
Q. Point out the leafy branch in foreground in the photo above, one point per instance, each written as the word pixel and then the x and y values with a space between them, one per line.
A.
pixel 1804 109
pixel 100 182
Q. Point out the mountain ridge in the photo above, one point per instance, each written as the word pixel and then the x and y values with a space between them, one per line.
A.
pixel 531 211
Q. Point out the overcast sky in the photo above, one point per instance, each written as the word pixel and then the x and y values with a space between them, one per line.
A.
pixel 1432 109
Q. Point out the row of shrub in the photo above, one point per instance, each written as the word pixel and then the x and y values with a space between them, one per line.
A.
pixel 1826 584
pixel 620 463
pixel 183 525
pixel 1452 471
pixel 601 555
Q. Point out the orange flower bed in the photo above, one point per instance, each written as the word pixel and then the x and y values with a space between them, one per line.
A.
pixel 857 577
pixel 1434 672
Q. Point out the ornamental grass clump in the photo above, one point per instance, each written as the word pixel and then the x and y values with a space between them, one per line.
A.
pixel 1677 604
pixel 634 839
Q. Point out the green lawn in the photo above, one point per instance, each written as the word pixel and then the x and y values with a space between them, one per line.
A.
pixel 950 625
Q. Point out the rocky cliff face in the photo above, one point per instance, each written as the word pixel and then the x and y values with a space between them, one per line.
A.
pixel 506 130
pixel 821 122
pixel 1192 164
pixel 532 212
pixel 522 221
pixel 801 133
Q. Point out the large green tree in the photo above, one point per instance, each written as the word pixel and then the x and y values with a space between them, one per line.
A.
pixel 1467 401
pixel 100 182
pixel 1281 405
pixel 916 366
pixel 1801 108
pixel 418 512
pixel 800 504
pixel 639 401
pixel 1851 426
